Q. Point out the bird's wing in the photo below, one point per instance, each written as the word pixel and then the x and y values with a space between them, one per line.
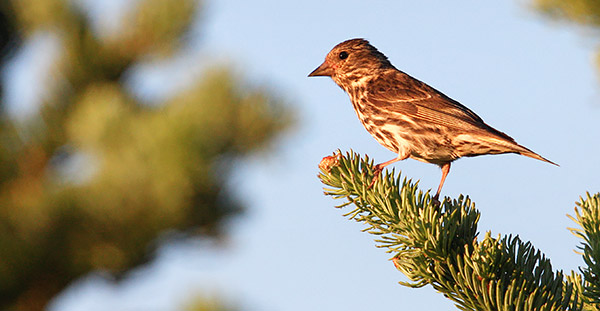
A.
pixel 399 93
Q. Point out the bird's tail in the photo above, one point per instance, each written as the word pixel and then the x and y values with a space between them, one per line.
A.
pixel 505 142
pixel 528 153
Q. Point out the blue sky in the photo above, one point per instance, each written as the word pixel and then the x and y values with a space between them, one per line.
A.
pixel 524 75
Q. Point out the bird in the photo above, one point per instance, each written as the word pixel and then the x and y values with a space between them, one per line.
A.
pixel 409 117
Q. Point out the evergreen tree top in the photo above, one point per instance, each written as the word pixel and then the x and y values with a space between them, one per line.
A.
pixel 437 243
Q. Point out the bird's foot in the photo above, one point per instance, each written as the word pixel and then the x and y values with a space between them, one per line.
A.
pixel 376 174
pixel 436 200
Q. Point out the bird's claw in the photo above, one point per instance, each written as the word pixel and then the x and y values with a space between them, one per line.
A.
pixel 376 174
pixel 436 200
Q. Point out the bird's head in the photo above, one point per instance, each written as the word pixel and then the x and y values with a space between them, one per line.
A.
pixel 351 60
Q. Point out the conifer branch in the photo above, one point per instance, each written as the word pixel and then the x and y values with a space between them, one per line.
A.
pixel 587 216
pixel 436 243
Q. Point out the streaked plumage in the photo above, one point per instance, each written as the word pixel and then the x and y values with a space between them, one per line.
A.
pixel 408 116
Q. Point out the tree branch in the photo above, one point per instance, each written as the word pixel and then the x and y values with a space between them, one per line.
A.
pixel 437 243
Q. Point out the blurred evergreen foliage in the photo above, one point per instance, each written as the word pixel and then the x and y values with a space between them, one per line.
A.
pixel 206 304
pixel 92 179
pixel 583 12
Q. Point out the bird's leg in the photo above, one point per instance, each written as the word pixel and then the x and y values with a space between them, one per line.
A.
pixel 445 171
pixel 379 167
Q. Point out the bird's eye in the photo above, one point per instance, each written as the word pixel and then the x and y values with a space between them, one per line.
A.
pixel 343 55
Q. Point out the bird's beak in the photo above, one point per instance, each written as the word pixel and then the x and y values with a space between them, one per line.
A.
pixel 323 70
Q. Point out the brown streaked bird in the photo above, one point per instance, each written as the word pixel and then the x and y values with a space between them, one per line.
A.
pixel 408 116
